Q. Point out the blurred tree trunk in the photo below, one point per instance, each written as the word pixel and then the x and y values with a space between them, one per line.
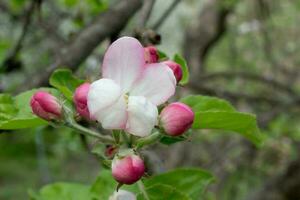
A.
pixel 284 186
pixel 105 25
pixel 205 32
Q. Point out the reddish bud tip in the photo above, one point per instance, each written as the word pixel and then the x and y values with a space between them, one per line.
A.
pixel 176 118
pixel 128 169
pixel 110 151
pixel 176 68
pixel 45 106
pixel 80 100
pixel 151 54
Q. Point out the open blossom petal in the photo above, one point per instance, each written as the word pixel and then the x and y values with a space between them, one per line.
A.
pixel 124 62
pixel 142 116
pixel 115 116
pixel 122 195
pixel 157 83
pixel 107 104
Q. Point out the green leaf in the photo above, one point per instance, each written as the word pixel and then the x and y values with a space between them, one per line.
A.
pixel 185 70
pixel 191 182
pixel 65 191
pixel 22 116
pixel 215 113
pixel 242 123
pixel 171 140
pixel 207 103
pixel 65 82
pixel 162 55
pixel 104 186
pixel 163 192
pixel 7 107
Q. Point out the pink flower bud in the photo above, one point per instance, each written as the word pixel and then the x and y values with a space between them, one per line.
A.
pixel 176 118
pixel 80 100
pixel 45 106
pixel 128 169
pixel 151 54
pixel 176 68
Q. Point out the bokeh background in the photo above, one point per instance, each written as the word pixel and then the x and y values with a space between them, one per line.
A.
pixel 246 51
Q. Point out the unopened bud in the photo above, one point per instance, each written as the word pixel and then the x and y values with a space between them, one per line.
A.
pixel 45 106
pixel 128 169
pixel 176 68
pixel 176 118
pixel 151 54
pixel 80 100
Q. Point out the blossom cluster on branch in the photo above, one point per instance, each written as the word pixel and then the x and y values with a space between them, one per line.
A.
pixel 131 98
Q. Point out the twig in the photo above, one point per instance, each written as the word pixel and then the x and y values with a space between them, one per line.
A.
pixel 165 15
pixel 18 46
pixel 249 76
pixel 104 25
pixel 145 13
pixel 86 131
pixel 233 95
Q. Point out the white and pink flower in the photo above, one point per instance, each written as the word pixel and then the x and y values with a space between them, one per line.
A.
pixel 128 94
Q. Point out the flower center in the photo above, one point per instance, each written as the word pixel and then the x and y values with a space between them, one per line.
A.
pixel 126 96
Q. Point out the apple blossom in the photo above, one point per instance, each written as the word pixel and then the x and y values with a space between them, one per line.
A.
pixel 127 169
pixel 151 54
pixel 80 100
pixel 176 68
pixel 122 195
pixel 45 106
pixel 176 118
pixel 128 94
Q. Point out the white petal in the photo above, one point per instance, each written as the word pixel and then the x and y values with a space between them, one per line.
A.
pixel 122 195
pixel 157 83
pixel 142 116
pixel 107 104
pixel 115 116
pixel 124 62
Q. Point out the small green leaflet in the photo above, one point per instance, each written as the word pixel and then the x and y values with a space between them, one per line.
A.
pixel 65 82
pixel 185 71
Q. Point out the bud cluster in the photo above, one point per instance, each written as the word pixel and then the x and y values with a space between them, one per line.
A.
pixel 127 166
pixel 152 56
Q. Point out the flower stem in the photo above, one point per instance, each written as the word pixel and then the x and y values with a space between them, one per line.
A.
pixel 86 131
pixel 116 135
pixel 125 138
pixel 70 122
pixel 148 140
pixel 142 189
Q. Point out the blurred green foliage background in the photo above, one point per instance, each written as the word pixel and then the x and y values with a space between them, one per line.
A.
pixel 253 63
